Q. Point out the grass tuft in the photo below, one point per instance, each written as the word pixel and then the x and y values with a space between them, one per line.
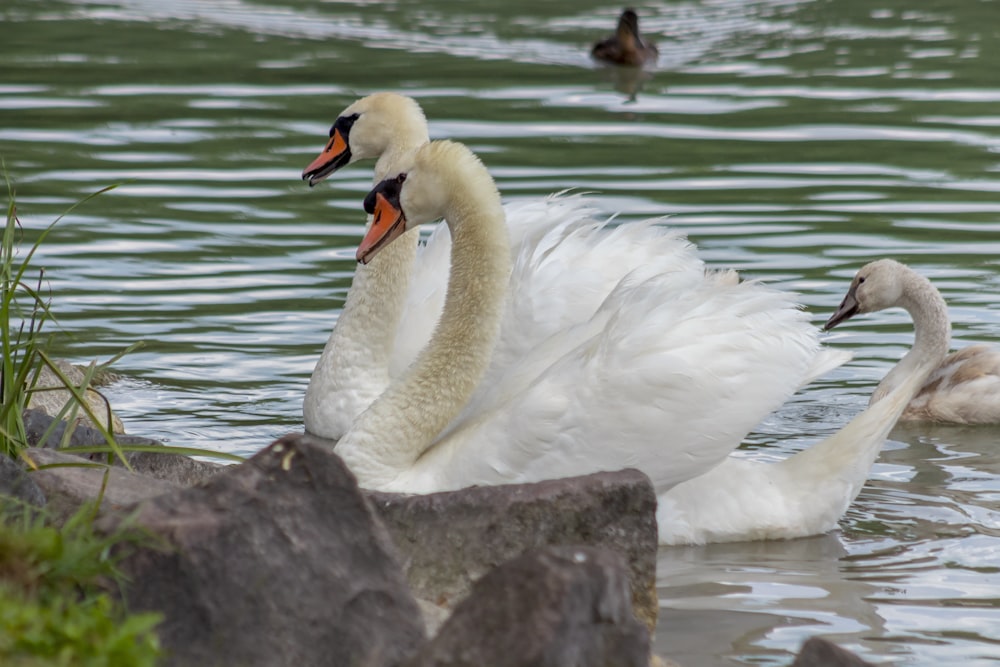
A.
pixel 24 310
pixel 55 604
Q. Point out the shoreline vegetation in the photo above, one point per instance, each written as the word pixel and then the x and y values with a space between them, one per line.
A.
pixel 57 601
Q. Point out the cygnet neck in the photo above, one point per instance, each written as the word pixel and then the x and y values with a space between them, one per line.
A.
pixel 931 327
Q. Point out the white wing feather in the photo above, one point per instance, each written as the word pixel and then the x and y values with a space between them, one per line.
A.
pixel 667 373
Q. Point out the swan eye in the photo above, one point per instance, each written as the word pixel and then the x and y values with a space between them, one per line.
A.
pixel 388 188
pixel 861 279
pixel 344 124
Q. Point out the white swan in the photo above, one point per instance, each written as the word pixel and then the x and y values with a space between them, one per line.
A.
pixel 402 290
pixel 395 301
pixel 807 493
pixel 668 375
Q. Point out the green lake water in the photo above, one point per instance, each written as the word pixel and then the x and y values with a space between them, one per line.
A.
pixel 794 141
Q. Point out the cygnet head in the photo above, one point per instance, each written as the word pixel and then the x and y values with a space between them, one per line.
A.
pixel 440 179
pixel 876 286
pixel 367 129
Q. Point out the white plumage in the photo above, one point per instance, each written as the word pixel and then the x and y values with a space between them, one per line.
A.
pixel 667 374
pixel 607 347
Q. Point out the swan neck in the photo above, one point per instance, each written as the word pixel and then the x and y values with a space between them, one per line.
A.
pixel 353 369
pixel 932 333
pixel 404 422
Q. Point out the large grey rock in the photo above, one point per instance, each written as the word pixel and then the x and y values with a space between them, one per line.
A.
pixel 277 561
pixel 17 484
pixel 74 480
pixel 449 540
pixel 819 652
pixel 555 607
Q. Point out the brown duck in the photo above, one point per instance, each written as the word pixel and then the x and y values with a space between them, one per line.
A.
pixel 626 47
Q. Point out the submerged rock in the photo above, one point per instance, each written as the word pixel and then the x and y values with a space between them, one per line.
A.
pixel 819 652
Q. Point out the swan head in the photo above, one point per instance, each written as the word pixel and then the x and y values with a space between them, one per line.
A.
pixel 876 286
pixel 366 129
pixel 436 182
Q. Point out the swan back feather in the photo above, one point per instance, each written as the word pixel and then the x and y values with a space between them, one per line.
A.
pixel 640 384
pixel 964 389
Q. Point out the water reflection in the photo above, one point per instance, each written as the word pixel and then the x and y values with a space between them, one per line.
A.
pixel 722 604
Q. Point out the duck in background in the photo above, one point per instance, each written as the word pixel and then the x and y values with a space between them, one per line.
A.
pixel 626 47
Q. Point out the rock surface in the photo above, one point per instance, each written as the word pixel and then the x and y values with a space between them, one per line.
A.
pixel 49 395
pixel 165 465
pixel 16 483
pixel 76 481
pixel 448 540
pixel 555 607
pixel 174 468
pixel 286 542
pixel 37 423
pixel 819 652
pixel 277 561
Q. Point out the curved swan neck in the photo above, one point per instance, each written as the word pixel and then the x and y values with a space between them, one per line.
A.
pixel 354 367
pixel 392 434
pixel 378 290
pixel 931 327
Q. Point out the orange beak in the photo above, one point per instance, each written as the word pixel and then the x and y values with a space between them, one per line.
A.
pixel 388 223
pixel 336 155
